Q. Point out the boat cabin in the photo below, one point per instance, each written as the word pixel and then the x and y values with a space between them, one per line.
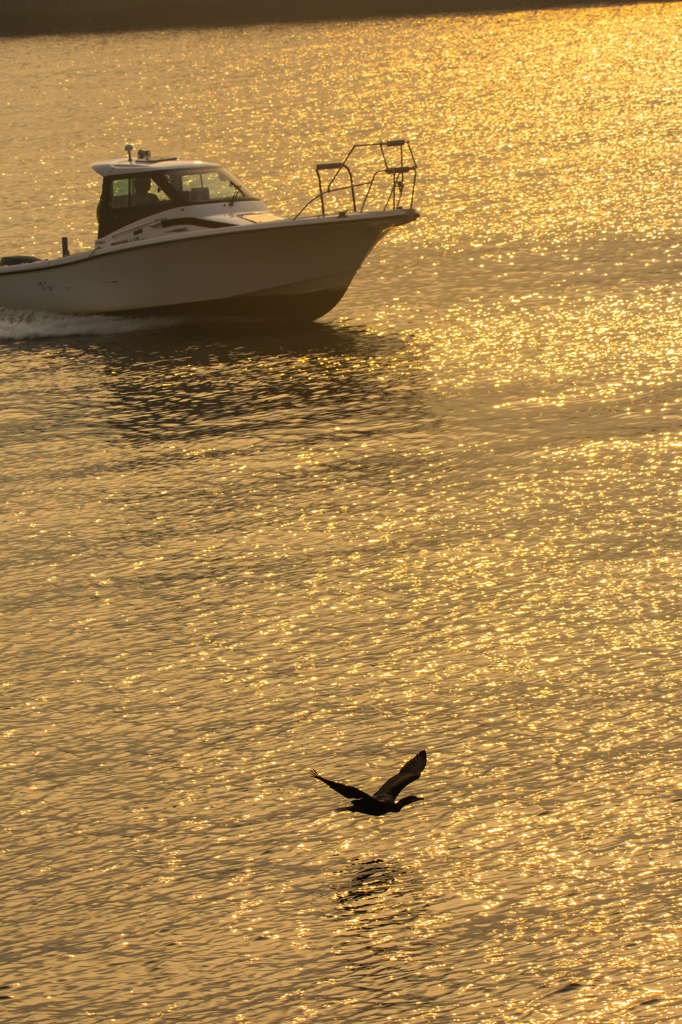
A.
pixel 135 189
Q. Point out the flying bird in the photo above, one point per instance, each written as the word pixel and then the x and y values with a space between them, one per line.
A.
pixel 384 800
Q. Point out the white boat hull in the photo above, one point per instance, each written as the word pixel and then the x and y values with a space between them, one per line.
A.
pixel 288 268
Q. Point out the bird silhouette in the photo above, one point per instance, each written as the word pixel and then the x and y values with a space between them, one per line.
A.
pixel 384 800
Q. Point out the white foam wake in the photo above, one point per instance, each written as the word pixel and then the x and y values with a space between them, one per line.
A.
pixel 25 324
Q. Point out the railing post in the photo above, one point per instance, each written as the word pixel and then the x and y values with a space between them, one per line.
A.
pixel 319 182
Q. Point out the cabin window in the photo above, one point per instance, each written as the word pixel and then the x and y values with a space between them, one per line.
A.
pixel 211 187
pixel 136 190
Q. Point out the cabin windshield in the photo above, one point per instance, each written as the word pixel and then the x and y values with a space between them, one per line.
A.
pixel 131 197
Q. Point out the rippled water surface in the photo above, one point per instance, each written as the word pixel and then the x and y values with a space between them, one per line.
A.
pixel 446 517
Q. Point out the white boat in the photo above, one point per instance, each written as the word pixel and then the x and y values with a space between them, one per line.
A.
pixel 187 237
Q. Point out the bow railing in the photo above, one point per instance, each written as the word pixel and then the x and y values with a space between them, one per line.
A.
pixel 392 183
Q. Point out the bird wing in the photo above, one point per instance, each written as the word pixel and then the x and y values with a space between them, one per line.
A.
pixel 350 791
pixel 410 771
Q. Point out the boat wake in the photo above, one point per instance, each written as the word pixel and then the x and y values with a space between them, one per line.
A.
pixel 27 324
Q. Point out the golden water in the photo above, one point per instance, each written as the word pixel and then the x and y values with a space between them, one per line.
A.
pixel 447 517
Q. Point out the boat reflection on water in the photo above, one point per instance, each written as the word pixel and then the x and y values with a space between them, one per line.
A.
pixel 215 379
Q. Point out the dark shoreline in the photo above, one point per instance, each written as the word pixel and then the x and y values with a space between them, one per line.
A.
pixel 41 17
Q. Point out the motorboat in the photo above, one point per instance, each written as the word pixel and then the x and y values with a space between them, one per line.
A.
pixel 187 237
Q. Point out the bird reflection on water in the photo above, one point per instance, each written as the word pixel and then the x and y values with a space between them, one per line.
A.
pixel 371 879
pixel 374 896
